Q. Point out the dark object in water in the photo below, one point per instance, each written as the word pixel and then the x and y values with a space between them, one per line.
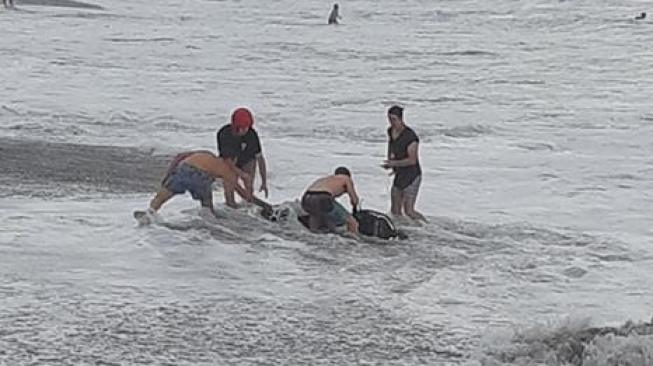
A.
pixel 377 224
pixel 370 223
pixel 641 16
pixel 334 15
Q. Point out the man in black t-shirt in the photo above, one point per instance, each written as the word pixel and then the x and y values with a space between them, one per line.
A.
pixel 240 146
pixel 403 159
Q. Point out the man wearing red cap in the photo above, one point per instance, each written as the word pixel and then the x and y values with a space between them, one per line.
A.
pixel 240 146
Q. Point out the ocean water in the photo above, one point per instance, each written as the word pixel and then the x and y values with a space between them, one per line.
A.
pixel 535 127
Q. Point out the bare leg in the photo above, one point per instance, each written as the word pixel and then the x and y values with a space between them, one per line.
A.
pixel 161 197
pixel 314 223
pixel 352 225
pixel 409 208
pixel 396 197
pixel 250 168
pixel 207 204
pixel 147 217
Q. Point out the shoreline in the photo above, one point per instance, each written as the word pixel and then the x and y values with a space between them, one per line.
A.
pixel 30 166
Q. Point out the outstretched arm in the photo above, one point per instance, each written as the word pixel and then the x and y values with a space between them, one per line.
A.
pixel 239 172
pixel 351 191
pixel 242 192
pixel 229 199
pixel 230 184
pixel 262 167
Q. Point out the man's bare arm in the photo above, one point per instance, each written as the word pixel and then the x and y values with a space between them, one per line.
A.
pixel 242 192
pixel 239 172
pixel 229 198
pixel 230 184
pixel 351 191
pixel 262 167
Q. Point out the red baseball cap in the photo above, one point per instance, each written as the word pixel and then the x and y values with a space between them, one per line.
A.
pixel 242 118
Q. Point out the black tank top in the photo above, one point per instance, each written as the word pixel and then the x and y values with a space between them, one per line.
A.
pixel 404 176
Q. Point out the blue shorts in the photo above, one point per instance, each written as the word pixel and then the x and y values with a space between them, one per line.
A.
pixel 338 215
pixel 186 177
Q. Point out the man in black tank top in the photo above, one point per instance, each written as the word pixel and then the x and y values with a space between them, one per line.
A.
pixel 403 159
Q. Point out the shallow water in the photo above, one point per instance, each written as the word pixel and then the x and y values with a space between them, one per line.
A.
pixel 535 133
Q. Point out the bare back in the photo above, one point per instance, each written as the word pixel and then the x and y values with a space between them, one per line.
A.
pixel 210 164
pixel 218 168
pixel 334 184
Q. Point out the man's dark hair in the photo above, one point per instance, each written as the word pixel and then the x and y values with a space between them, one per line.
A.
pixel 341 170
pixel 396 110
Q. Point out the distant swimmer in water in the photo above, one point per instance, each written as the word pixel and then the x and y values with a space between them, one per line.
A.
pixel 319 201
pixel 641 16
pixel 8 3
pixel 335 15
pixel 195 171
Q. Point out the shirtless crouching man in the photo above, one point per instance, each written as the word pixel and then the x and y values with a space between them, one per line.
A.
pixel 319 202
pixel 195 171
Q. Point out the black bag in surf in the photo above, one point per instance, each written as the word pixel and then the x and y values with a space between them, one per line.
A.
pixel 376 224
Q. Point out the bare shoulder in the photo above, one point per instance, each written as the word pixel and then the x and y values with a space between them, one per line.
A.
pixel 345 182
pixel 198 157
pixel 338 180
pixel 206 153
pixel 346 179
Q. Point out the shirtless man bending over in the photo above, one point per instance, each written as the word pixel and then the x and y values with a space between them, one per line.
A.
pixel 195 171
pixel 319 201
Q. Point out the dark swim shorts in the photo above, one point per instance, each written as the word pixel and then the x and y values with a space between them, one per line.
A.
pixel 323 205
pixel 186 177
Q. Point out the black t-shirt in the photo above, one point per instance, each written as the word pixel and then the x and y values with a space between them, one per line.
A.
pixel 404 176
pixel 243 148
